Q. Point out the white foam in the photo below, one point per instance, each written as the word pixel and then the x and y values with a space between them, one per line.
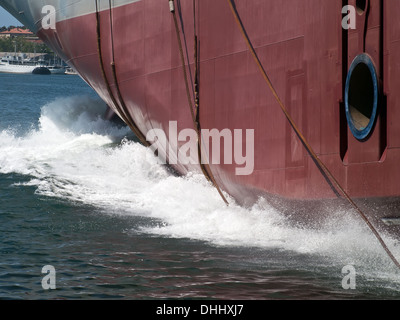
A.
pixel 71 156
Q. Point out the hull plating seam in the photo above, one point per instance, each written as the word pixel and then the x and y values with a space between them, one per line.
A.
pixel 195 114
pixel 122 110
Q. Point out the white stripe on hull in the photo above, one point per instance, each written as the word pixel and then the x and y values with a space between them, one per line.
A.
pixel 29 12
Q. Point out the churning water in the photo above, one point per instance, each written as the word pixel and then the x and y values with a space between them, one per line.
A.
pixel 79 194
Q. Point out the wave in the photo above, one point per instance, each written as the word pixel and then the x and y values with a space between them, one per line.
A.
pixel 78 156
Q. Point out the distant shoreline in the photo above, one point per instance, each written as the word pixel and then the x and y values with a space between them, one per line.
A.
pixel 27 54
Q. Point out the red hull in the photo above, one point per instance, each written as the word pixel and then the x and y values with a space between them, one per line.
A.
pixel 307 55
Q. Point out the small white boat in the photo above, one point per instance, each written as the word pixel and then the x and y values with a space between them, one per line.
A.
pixel 56 69
pixel 8 65
pixel 70 71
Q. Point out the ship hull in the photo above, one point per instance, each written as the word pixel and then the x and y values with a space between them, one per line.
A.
pixel 307 55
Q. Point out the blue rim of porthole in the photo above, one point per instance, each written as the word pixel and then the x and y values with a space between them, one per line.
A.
pixel 367 87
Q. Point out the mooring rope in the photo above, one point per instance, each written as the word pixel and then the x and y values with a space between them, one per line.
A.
pixel 303 139
pixel 121 109
pixel 124 108
pixel 194 113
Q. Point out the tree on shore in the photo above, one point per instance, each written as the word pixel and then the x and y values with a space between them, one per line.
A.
pixel 23 45
pixel 4 28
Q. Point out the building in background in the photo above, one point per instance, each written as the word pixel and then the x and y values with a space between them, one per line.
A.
pixel 16 32
pixel 20 33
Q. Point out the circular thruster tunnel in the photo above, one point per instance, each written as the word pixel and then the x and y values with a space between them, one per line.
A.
pixel 362 96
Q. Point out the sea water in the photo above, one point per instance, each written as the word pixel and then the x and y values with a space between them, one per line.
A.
pixel 79 194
